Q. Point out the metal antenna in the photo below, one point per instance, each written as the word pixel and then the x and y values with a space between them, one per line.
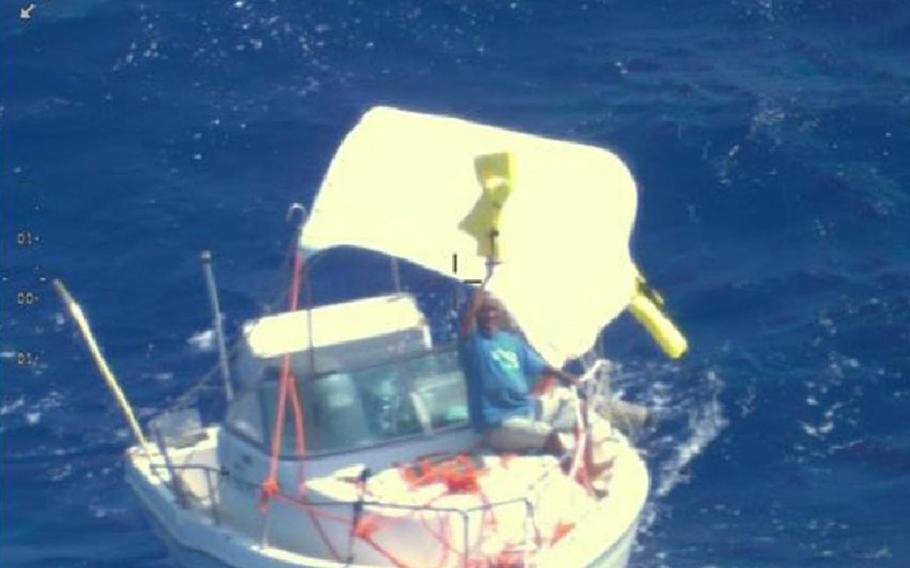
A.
pixel 218 322
pixel 307 285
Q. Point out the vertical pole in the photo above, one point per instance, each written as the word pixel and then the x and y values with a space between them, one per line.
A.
pixel 529 513
pixel 176 480
pixel 308 291
pixel 396 275
pixel 213 502
pixel 217 322
pixel 302 273
pixel 467 536
pixel 266 527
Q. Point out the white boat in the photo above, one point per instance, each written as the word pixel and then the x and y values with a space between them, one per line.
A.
pixel 374 462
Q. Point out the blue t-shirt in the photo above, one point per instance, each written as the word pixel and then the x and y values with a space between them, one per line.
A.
pixel 498 370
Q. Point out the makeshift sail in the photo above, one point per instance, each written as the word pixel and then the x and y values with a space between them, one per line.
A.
pixel 411 185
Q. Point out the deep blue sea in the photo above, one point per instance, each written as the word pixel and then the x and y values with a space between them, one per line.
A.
pixel 770 140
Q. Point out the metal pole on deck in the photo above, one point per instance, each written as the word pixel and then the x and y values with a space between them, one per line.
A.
pixel 81 321
pixel 396 275
pixel 206 258
pixel 301 269
pixel 308 291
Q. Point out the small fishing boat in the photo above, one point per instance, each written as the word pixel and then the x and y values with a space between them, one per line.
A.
pixel 346 439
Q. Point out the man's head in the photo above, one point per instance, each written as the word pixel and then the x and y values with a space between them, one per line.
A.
pixel 489 315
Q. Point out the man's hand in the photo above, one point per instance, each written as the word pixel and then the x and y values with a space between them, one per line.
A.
pixel 566 378
pixel 569 378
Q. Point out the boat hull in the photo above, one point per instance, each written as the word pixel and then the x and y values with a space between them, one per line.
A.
pixel 197 539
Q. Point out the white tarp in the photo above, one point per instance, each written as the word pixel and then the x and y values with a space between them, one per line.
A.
pixel 401 182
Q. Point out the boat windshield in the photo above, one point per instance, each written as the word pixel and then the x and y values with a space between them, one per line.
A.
pixel 360 408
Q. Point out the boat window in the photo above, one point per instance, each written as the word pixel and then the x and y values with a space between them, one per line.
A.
pixel 245 417
pixel 439 386
pixel 348 410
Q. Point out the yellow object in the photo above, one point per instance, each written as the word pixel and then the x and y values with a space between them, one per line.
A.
pixel 81 321
pixel 494 172
pixel 644 306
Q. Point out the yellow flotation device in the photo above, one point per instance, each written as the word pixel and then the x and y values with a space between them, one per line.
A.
pixel 494 172
pixel 647 307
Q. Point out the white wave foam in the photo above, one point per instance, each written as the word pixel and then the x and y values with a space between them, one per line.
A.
pixel 818 431
pixel 11 407
pixel 32 413
pixel 100 511
pixel 203 341
pixel 705 424
pixel 58 474
pixel 161 376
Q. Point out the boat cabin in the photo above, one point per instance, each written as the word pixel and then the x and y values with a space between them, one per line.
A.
pixel 366 373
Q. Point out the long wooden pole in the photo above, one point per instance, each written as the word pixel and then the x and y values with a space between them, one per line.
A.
pixel 106 373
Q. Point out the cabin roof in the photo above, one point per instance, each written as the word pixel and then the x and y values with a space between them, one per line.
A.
pixel 333 324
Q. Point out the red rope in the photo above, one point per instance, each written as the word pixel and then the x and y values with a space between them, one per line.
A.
pixel 312 509
pixel 299 433
pixel 288 385
pixel 560 530
pixel 270 485
pixel 283 382
pixel 324 537
pixel 294 292
pixel 286 361
pixel 446 547
pixel 391 557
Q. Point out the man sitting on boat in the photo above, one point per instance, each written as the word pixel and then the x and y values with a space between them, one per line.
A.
pixel 500 368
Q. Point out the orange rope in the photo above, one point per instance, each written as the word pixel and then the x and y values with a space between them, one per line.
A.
pixel 288 385
pixel 299 433
pixel 447 546
pixel 270 485
pixel 300 441
pixel 283 381
pixel 391 557
pixel 312 509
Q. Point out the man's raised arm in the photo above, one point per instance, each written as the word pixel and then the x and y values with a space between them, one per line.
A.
pixel 467 321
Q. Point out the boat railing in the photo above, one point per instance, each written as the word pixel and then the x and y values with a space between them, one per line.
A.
pixel 209 505
pixel 595 381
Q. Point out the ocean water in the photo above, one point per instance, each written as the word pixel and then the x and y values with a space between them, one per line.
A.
pixel 769 138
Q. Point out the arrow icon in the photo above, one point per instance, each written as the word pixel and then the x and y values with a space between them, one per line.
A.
pixel 26 12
